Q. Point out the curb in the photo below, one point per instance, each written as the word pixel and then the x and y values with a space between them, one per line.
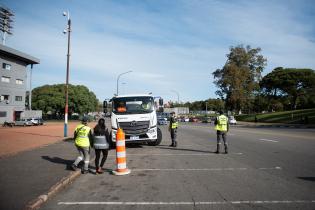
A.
pixel 40 200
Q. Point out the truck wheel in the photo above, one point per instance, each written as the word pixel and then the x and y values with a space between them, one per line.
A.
pixel 158 140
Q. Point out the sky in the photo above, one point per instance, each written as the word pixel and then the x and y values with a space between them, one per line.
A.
pixel 171 47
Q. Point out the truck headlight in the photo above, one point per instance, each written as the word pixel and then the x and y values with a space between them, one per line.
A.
pixel 152 130
pixel 114 134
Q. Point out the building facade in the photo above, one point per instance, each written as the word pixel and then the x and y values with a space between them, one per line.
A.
pixel 13 82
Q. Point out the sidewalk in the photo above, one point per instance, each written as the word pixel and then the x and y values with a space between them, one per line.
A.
pixel 25 176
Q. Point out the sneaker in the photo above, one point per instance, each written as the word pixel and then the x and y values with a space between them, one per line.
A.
pixel 99 171
pixel 74 167
pixel 216 152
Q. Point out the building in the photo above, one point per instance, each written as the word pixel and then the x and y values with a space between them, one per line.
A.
pixel 13 83
pixel 177 110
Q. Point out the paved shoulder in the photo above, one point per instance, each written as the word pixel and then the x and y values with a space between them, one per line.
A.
pixel 29 174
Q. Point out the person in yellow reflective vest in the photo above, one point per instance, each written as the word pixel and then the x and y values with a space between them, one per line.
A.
pixel 82 139
pixel 173 129
pixel 222 126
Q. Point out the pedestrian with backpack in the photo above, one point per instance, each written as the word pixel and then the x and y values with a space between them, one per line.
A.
pixel 100 144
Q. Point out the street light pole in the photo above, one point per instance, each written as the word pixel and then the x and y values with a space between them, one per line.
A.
pixel 177 95
pixel 117 90
pixel 68 30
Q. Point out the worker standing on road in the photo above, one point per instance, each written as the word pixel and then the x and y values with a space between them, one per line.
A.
pixel 100 144
pixel 173 129
pixel 222 126
pixel 82 138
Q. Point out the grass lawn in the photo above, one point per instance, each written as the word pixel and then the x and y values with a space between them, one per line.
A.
pixel 304 116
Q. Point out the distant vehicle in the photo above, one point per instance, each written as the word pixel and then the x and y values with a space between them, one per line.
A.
pixel 24 122
pixel 206 120
pixel 37 121
pixel 232 120
pixel 161 121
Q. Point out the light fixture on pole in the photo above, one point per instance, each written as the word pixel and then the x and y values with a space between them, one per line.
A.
pixel 117 88
pixel 68 30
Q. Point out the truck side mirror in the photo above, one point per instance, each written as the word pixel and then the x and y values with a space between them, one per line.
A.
pixel 105 106
pixel 161 102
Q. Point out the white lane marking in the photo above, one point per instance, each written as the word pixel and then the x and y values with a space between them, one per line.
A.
pixel 231 134
pixel 174 154
pixel 188 203
pixel 274 168
pixel 268 140
pixel 203 169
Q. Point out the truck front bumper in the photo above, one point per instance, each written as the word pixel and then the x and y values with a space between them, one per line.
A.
pixel 150 135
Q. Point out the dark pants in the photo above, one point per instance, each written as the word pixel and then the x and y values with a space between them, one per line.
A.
pixel 173 137
pixel 98 155
pixel 223 135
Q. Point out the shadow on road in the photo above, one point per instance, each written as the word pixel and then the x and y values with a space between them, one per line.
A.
pixel 311 178
pixel 182 149
pixel 58 160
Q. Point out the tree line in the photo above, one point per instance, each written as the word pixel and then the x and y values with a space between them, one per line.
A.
pixel 51 100
pixel 241 85
pixel 243 89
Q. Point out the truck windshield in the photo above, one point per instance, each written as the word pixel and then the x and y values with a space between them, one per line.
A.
pixel 133 105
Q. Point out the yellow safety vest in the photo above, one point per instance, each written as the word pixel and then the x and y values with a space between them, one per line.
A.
pixel 222 122
pixel 82 136
pixel 174 125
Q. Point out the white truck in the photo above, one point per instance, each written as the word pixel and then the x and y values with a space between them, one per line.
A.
pixel 136 115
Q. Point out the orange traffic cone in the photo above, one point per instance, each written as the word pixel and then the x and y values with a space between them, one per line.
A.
pixel 121 154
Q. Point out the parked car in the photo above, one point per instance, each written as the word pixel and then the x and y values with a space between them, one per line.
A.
pixel 37 121
pixel 232 120
pixel 206 120
pixel 24 122
pixel 161 121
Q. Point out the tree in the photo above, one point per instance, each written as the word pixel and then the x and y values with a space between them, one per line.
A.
pixel 238 80
pixel 290 84
pixel 51 98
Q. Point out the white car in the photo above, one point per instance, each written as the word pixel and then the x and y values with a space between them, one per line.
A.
pixel 232 120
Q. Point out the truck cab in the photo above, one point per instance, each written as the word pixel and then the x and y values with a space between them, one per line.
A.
pixel 136 115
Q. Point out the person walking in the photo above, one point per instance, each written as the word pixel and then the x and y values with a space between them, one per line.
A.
pixel 173 129
pixel 82 138
pixel 222 126
pixel 100 144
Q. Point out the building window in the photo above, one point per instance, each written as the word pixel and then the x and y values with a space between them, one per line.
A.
pixel 5 79
pixel 6 66
pixel 19 82
pixel 18 98
pixel 3 114
pixel 4 98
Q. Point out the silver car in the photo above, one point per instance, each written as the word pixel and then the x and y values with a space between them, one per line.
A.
pixel 23 122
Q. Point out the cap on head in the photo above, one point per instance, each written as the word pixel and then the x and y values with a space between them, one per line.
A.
pixel 220 112
pixel 84 119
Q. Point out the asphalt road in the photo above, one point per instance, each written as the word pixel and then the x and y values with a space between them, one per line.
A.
pixel 270 168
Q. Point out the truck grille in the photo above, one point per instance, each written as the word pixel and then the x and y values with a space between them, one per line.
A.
pixel 135 127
